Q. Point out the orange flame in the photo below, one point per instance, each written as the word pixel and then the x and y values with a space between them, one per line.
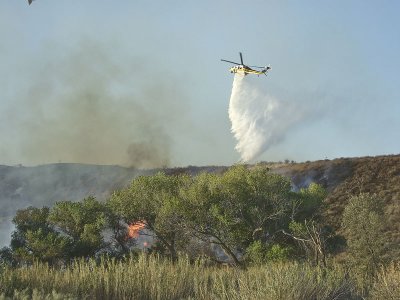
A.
pixel 133 229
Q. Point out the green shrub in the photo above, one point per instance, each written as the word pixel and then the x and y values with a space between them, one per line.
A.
pixel 256 253
pixel 278 253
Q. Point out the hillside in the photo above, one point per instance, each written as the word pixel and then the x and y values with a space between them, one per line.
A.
pixel 44 185
pixel 345 177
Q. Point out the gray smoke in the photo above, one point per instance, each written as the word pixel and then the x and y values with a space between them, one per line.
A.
pixel 88 106
pixel 150 153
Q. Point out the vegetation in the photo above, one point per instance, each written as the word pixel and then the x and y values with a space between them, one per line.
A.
pixel 243 234
pixel 150 277
pixel 363 222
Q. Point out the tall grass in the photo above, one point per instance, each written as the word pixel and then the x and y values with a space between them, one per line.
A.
pixel 387 283
pixel 150 277
pixel 37 295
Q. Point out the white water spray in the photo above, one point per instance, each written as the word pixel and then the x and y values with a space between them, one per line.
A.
pixel 258 120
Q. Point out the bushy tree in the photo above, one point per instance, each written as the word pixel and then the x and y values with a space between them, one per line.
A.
pixel 152 200
pixel 49 247
pixel 241 211
pixel 234 209
pixel 82 222
pixel 363 223
pixel 34 238
pixel 119 244
pixel 207 216
pixel 306 228
pixel 266 198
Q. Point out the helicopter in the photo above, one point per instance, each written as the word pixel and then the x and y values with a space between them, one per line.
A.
pixel 30 1
pixel 242 68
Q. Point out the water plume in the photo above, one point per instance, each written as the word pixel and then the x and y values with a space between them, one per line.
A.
pixel 259 120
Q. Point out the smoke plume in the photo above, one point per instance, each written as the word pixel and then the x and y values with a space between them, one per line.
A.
pixel 90 105
pixel 259 120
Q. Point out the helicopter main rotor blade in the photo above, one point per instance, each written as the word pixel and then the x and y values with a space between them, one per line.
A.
pixel 230 62
pixel 241 58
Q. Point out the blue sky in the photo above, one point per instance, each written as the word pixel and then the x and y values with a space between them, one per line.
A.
pixel 155 66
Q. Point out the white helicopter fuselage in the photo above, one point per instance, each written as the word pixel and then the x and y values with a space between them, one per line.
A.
pixel 242 69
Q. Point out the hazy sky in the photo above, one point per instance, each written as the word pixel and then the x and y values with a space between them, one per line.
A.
pixel 107 82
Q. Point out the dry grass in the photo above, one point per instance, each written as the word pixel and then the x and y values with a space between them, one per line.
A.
pixel 387 284
pixel 155 278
